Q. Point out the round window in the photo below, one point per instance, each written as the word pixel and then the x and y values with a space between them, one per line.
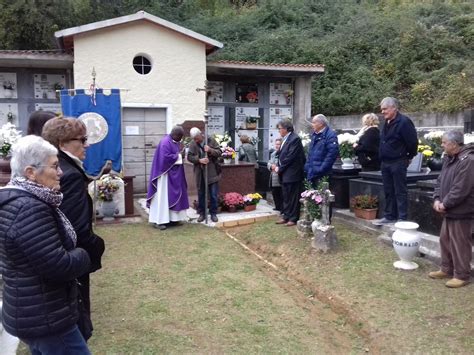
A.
pixel 141 64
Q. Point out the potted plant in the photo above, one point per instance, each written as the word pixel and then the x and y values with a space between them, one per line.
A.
pixel 365 206
pixel 251 201
pixel 228 153
pixel 107 185
pixel 223 139
pixel 346 149
pixel 251 122
pixel 432 141
pixel 233 201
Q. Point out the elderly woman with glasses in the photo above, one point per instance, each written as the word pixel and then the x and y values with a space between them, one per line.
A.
pixel 69 136
pixel 39 256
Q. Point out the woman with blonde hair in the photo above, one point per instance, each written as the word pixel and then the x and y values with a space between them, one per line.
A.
pixel 367 146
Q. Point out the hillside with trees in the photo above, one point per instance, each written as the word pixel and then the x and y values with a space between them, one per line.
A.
pixel 419 51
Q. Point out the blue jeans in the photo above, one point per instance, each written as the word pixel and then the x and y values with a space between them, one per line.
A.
pixel 394 177
pixel 71 342
pixel 213 193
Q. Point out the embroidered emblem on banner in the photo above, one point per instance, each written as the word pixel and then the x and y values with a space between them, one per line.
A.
pixel 97 127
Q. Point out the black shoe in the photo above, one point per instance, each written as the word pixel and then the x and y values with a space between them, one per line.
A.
pixel 214 218
pixel 383 221
pixel 201 218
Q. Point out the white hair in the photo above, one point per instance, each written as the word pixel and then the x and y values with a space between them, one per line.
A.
pixel 194 132
pixel 321 118
pixel 454 136
pixel 390 101
pixel 30 151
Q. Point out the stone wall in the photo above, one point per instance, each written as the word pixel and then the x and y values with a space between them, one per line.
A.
pixel 422 120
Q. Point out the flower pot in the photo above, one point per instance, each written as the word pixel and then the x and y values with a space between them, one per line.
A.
pixel 232 209
pixel 347 163
pixel 366 213
pixel 406 241
pixel 435 164
pixel 227 160
pixel 7 93
pixel 251 125
pixel 248 208
pixel 5 171
pixel 108 210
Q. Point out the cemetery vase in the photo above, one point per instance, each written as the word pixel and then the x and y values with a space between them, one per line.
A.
pixel 368 214
pixel 108 210
pixel 347 163
pixel 227 161
pixel 406 241
pixel 435 164
pixel 251 125
pixel 248 208
pixel 5 171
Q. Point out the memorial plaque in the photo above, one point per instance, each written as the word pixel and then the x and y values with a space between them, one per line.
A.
pixel 216 124
pixel 56 108
pixel 8 88
pixel 281 94
pixel 47 84
pixel 279 113
pixel 8 113
pixel 216 89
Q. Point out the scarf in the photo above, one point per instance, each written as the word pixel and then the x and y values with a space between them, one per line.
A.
pixel 362 131
pixel 49 196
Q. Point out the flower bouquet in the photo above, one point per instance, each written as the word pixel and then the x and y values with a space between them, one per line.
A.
pixel 228 153
pixel 305 140
pixel 232 201
pixel 313 200
pixel 431 149
pixel 107 185
pixel 8 136
pixel 223 139
pixel 346 142
pixel 9 85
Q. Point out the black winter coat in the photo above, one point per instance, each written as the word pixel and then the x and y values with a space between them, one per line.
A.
pixel 291 160
pixel 39 265
pixel 367 149
pixel 398 139
pixel 77 206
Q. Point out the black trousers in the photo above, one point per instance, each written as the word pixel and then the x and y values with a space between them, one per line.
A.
pixel 277 197
pixel 291 201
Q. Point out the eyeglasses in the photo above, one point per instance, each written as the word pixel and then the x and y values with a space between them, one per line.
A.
pixel 83 140
pixel 54 166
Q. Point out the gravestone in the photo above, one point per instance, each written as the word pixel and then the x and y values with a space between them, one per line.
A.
pixel 325 238
pixel 303 226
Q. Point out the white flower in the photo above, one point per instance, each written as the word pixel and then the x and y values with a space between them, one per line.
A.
pixel 346 138
pixel 468 138
pixel 305 138
pixel 8 136
pixel 434 135
pixel 223 139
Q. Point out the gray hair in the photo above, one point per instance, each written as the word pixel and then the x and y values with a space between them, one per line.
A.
pixel 177 130
pixel 30 151
pixel 454 137
pixel 390 101
pixel 321 118
pixel 286 124
pixel 194 132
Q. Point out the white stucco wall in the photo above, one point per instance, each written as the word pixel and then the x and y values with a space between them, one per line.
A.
pixel 179 66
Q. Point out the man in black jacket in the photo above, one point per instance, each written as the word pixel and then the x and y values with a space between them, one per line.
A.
pixel 398 145
pixel 290 168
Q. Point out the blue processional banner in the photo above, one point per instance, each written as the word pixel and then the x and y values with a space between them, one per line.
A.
pixel 102 115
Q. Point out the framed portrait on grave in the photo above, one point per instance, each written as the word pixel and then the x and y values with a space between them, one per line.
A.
pixel 247 93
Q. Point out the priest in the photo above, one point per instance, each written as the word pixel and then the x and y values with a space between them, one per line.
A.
pixel 167 195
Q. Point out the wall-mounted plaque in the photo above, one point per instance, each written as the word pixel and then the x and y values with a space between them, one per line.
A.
pixel 56 108
pixel 216 124
pixel 8 86
pixel 241 113
pixel 281 94
pixel 272 135
pixel 9 113
pixel 216 91
pixel 252 134
pixel 279 113
pixel 47 84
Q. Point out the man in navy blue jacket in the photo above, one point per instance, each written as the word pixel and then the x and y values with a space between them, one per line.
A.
pixel 398 145
pixel 323 150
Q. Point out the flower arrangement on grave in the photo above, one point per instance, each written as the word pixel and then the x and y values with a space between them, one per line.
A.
pixel 252 96
pixel 252 119
pixel 223 139
pixel 8 136
pixel 252 199
pixel 233 200
pixel 9 85
pixel 433 140
pixel 228 153
pixel 365 202
pixel 107 185
pixel 288 93
pixel 314 199
pixel 346 142
pixel 468 138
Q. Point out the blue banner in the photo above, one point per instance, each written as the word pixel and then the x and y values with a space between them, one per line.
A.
pixel 92 110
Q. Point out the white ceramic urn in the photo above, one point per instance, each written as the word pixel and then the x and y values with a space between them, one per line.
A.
pixel 406 241
pixel 347 163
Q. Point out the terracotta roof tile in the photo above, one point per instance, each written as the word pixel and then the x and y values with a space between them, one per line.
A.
pixel 288 65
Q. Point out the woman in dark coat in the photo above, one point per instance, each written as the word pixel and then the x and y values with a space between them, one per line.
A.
pixel 367 146
pixel 69 136
pixel 39 256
